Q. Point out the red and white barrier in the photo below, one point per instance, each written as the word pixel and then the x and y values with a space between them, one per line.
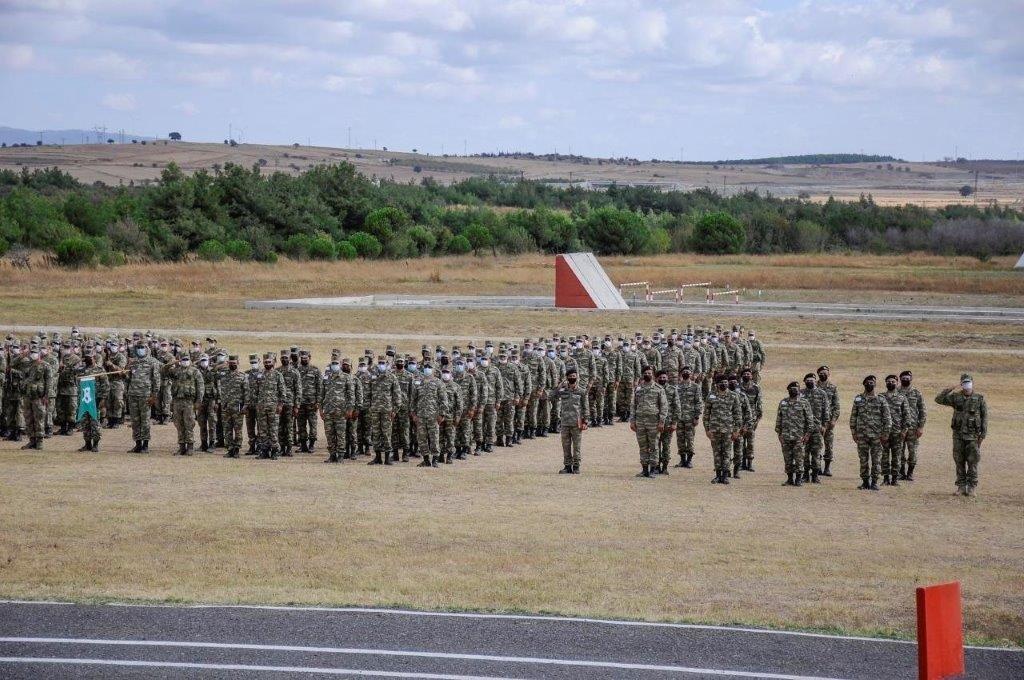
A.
pixel 639 284
pixel 712 294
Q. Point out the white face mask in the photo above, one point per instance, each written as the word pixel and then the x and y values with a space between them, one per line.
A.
pixel 204 363
pixel 411 367
pixel 460 368
pixel 335 367
pixel 446 376
pixel 33 356
pixel 140 352
pixel 488 351
pixel 364 369
pixel 551 354
pixel 967 385
pixel 254 365
pixel 382 367
pixel 485 363
pixel 428 371
pixel 186 363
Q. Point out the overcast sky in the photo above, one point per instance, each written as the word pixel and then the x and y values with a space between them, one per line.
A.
pixel 701 80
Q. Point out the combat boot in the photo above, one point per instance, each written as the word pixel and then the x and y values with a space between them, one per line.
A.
pixel 63 432
pixel 273 453
pixel 736 471
pixel 434 461
pixel 204 445
pixel 31 444
pixel 798 480
pixel 48 431
pixel 405 456
pixel 387 459
pixel 286 452
pixel 874 484
pixel 814 477
pixel 220 442
pixel 885 480
pixel 181 450
pixel 718 477
pixel 807 475
pixel 94 445
pixel 725 476
pixel 903 470
pixel 376 459
pixel 232 452
pixel 865 483
pixel 304 447
pixel 566 470
pixel 961 490
pixel 664 467
pixel 85 447
pixel 488 448
pixel 189 449
pixel 425 462
pixel 789 479
pixel 138 447
pixel 970 493
pixel 750 464
pixel 16 435
pixel 644 472
pixel 145 446
pixel 682 461
pixel 575 468
pixel 825 472
pixel 312 445
pixel 527 433
pixel 500 440
pixel 689 461
pixel 460 454
pixel 448 457
pixel 910 473
pixel 252 448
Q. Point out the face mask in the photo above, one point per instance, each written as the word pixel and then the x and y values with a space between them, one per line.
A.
pixel 460 368
pixel 890 385
pixel 220 358
pixel 488 351
pixel 648 377
pixel 446 376
pixel 304 362
pixel 485 363
pixel 823 377
pixel 870 387
pixel 232 366
pixel 254 365
pixel 722 386
pixel 733 384
pixel 381 368
pixel 793 391
pixel 571 380
pixel 905 382
pixel 204 363
pixel 969 385
pixel 88 361
pixel 267 366
pixel 411 367
pixel 551 354
pixel 502 361
pixel 186 363
pixel 686 375
pixel 335 367
pixel 363 368
pixel 747 378
pixel 428 372
pixel 140 352
pixel 662 381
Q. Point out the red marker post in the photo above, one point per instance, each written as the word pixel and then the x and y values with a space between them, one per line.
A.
pixel 940 632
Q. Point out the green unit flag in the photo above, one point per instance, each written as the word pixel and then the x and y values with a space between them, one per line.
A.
pixel 87 398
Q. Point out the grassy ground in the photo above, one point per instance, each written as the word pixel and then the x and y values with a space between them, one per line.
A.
pixel 503 532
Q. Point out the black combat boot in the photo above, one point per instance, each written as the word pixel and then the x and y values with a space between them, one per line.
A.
pixel 16 435
pixel 252 448
pixel 575 468
pixel 48 431
pixel 488 448
pixel 885 480
pixel 38 444
pixel 910 473
pixel 789 479
pixel 376 460
pixel 865 483
pixel 232 452
pixel 663 467
pixel 138 447
pixel 425 462
pixel 500 440
pixel 85 446
pixel 825 472
pixel 689 461
pixel 94 445
pixel 874 484
pixel 725 476
pixel 190 450
pixel 434 460
pixel 204 446
pixel 903 471
pixel 798 479
pixel 274 453
pixel 448 457
pixel 750 464
pixel 527 433
pixel 645 471
pixel 387 459
pixel 286 452
pixel 63 431
pixel 814 477
pixel 682 461
pixel 566 470
pixel 893 481
pixel 181 450
pixel 460 454
pixel 736 470
pixel 405 455
pixel 304 447
pixel 718 477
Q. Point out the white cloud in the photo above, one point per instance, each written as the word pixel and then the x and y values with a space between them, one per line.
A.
pixel 119 102
pixel 374 66
pixel 511 122
pixel 402 44
pixel 16 57
pixel 186 108
pixel 264 76
pixel 215 78
pixel 615 75
pixel 111 64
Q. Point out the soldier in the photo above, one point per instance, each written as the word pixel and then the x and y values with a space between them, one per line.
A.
pixel 187 392
pixel 870 423
pixel 252 381
pixel 525 395
pixel 4 375
pixel 753 393
pixel 747 414
pixel 575 409
pixel 915 426
pixel 598 386
pixel 52 359
pixel 400 434
pixel 451 417
pixel 364 379
pixel 829 436
pixel 338 403
pixel 115 362
pixel 970 426
pixel 629 369
pixel 821 411
pixel 67 392
pixel 899 411
pixel 723 420
pixel 206 408
pixel 234 399
pixel 794 425
pixel 143 388
pixel 91 432
pixel 689 403
pixel 553 371
pixel 312 381
pixel 758 357
pixel 665 436
pixel 386 400
pixel 220 370
pixel 36 383
pixel 293 391
pixel 161 410
pixel 270 398
pixel 647 419
pixel 430 403
pixel 495 395
pixel 512 382
pixel 469 396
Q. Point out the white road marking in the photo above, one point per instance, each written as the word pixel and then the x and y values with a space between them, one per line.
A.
pixel 244 667
pixel 514 617
pixel 451 656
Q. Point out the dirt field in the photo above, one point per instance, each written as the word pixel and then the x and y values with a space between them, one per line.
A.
pixel 503 531
pixel 929 184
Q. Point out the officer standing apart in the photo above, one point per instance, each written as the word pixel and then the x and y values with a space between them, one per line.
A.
pixel 143 388
pixel 650 410
pixel 187 392
pixel 970 426
pixel 575 409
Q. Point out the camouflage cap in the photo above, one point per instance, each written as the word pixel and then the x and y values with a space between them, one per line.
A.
pixel 966 377
pixel 254 357
pixel 268 356
pixel 304 353
pixel 294 349
pixel 346 362
pixel 232 357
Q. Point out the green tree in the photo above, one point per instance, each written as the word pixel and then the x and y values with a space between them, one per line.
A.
pixel 366 245
pixel 237 249
pixel 718 233
pixel 479 237
pixel 76 251
pixel 347 251
pixel 384 223
pixel 322 248
pixel 612 231
pixel 211 250
pixel 459 245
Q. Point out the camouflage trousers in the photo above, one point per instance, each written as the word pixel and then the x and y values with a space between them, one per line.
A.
pixel 67 404
pixel 908 454
pixel 684 438
pixel 250 423
pixel 488 423
pixel 870 453
pixel 520 416
pixel 336 427
pixel 449 431
pixel 115 399
pixel 164 405
pixel 647 438
pixel 206 418
pixel 624 402
pixel 464 433
pixel 363 427
pixel 721 449
pixel 34 413
pixel 506 418
pixel 596 397
pixel 891 451
pixel 552 410
pixel 183 413
pixel 12 413
pixel 138 411
pixel 572 442
pixel 428 434
pixel 532 411
pixel 755 368
pixel 284 426
pixel 543 418
pixel 400 430
pixel 793 456
pixel 611 394
pixel 829 440
pixel 306 423
pixel 664 446
pixel 966 457
pixel 267 424
pixel 91 428
pixel 813 449
pixel 231 421
pixel 748 444
pixel 380 431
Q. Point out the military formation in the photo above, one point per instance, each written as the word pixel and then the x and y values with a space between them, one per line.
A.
pixel 451 403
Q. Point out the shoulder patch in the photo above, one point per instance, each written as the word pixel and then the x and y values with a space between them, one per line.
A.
pixel 711 397
pixel 858 398
pixel 784 402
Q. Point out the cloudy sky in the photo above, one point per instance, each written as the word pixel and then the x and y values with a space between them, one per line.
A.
pixel 701 80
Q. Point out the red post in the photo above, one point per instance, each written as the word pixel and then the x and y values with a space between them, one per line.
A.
pixel 940 632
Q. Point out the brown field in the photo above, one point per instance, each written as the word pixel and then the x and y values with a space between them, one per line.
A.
pixel 930 184
pixel 504 532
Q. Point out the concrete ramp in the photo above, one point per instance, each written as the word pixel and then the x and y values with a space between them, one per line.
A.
pixel 582 283
pixel 1020 262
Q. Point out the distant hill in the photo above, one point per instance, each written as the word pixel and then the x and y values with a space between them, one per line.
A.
pixel 11 136
pixel 814 159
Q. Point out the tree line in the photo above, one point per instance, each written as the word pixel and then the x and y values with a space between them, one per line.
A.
pixel 331 212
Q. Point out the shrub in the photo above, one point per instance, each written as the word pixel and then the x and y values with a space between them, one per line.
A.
pixel 237 249
pixel 125 235
pixel 297 246
pixel 322 248
pixel 611 231
pixel 515 239
pixel 459 245
pixel 113 258
pixel 76 251
pixel 366 245
pixel 400 247
pixel 718 232
pixel 211 251
pixel 658 241
pixel 347 251
pixel 4 246
pixel 479 237
pixel 384 223
pixel 423 239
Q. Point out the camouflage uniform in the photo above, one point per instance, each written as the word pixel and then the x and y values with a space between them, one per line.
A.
pixel 870 421
pixel 386 400
pixel 452 416
pixel 363 424
pixel 829 436
pixel 575 409
pixel 747 415
pixel 142 388
pixel 650 410
pixel 67 392
pixel 794 423
pixel 115 362
pixel 665 436
pixel 469 391
pixel 689 405
pixel 525 397
pixel 338 402
pixel 512 381
pixel 494 396
pixel 13 419
pixel 899 411
pixel 821 411
pixel 556 374
pixel 613 375
pixel 164 398
pixel 206 412
pixel 598 387
pixel 970 426
pixel 187 393
pixel 36 383
pixel 252 381
pixel 429 402
pixel 758 359
pixel 915 424
pixel 312 381
pixel 52 359
pixel 269 396
pixel 723 418
pixel 234 398
pixel 630 371
pixel 293 395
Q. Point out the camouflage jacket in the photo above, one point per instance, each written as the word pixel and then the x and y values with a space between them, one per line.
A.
pixel 650 405
pixel 833 398
pixel 672 361
pixel 365 389
pixel 454 407
pixel 629 366
pixel 292 385
pixel 269 390
pixel 67 377
pixel 899 409
pixel 870 417
pixel 753 392
pixel 143 378
pixel 573 404
pixel 494 379
pixel 512 380
pixel 386 393
pixel 186 382
pixel 690 402
pixel 211 391
pixel 234 390
pixel 918 415
pixel 794 419
pixel 821 407
pixel 36 380
pixel 586 365
pixel 600 377
pixel 469 392
pixel 722 412
pixel 430 399
pixel 312 381
pixel 758 353
pixel 746 410
pixel 337 393
pixel 970 414
pixel 692 358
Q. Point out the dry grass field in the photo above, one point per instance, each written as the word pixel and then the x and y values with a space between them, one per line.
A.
pixel 503 531
pixel 929 184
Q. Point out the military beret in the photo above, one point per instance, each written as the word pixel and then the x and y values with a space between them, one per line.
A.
pixel 793 384
pixel 890 376
pixel 903 373
pixel 965 377
pixel 293 349
pixel 570 371
pixel 867 378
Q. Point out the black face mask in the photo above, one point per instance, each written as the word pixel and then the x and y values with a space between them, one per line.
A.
pixel 905 382
pixel 267 367
pixel 822 377
pixel 686 375
pixel 890 385
pixel 571 381
pixel 869 387
pixel 747 378
pixel 662 381
pixel 722 386
pixel 345 368
pixel 648 377
pixel 793 392
pixel 733 384
pixel 809 384
pixel 88 361
pixel 305 362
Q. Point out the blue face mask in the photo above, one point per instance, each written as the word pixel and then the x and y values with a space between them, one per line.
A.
pixel 140 352
pixel 428 372
pixel 411 368
pixel 551 354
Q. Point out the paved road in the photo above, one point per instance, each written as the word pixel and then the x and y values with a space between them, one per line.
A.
pixel 52 640
pixel 427 337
